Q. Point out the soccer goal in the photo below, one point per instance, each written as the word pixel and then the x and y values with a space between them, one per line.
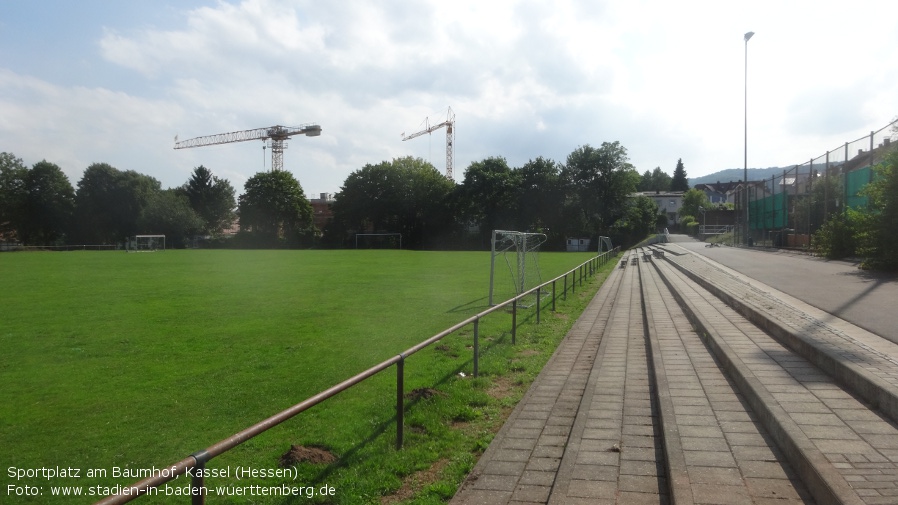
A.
pixel 378 241
pixel 146 243
pixel 520 253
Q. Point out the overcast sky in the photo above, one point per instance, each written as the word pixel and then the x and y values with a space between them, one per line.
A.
pixel 115 81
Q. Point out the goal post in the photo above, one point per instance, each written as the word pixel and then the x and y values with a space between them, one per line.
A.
pixel 146 243
pixel 378 241
pixel 520 253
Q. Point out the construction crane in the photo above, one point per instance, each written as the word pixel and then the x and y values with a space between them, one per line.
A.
pixel 449 123
pixel 278 135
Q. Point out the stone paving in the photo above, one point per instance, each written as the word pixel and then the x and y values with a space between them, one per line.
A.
pixel 848 447
pixel 722 415
pixel 521 463
pixel 614 454
pixel 871 358
pixel 729 456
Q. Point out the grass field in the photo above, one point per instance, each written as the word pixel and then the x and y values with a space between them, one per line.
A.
pixel 132 361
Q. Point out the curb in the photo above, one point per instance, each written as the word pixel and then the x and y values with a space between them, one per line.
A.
pixel 874 390
pixel 823 480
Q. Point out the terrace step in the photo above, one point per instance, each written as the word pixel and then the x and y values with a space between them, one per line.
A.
pixel 687 401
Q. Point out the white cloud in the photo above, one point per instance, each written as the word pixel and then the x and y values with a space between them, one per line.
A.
pixel 525 78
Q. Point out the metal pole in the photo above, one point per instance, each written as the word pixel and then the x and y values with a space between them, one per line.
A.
pixel 400 401
pixel 492 264
pixel 745 169
pixel 538 291
pixel 553 296
pixel 809 198
pixel 197 482
pixel 514 321
pixel 476 347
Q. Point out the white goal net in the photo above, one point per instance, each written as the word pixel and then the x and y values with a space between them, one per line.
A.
pixel 146 243
pixel 514 265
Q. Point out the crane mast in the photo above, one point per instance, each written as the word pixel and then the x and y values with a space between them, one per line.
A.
pixel 449 123
pixel 278 135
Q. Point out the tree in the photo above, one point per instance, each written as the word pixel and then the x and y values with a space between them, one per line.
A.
pixel 274 209
pixel 49 205
pixel 109 202
pixel 877 239
pixel 540 200
pixel 168 212
pixel 487 196
pixel 693 200
pixel 407 195
pixel 656 180
pixel 640 220
pixel 679 182
pixel 12 195
pixel 599 183
pixel 211 198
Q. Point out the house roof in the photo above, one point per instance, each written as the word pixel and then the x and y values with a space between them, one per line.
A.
pixel 863 158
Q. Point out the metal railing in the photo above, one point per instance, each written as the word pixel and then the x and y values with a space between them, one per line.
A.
pixel 714 229
pixel 196 462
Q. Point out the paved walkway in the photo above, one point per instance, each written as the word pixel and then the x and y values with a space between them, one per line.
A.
pixel 637 407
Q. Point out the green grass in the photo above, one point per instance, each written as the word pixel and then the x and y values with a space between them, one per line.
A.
pixel 111 360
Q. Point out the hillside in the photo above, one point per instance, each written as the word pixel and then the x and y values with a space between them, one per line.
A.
pixel 735 174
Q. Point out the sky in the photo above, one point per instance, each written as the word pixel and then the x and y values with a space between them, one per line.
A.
pixel 115 81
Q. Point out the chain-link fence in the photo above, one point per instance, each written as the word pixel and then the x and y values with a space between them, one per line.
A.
pixel 785 210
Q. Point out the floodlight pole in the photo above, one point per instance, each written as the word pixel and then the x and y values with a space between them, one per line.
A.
pixel 745 169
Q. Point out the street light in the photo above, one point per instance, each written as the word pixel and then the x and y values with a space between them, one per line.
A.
pixel 745 170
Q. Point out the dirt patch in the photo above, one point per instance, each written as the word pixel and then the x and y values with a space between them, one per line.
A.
pixel 501 387
pixel 416 482
pixel 423 394
pixel 302 454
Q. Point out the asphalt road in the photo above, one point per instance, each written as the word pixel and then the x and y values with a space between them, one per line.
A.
pixel 865 299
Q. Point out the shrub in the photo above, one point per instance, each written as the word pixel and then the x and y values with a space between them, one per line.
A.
pixel 836 238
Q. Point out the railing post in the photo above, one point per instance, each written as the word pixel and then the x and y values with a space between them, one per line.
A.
pixel 564 294
pixel 197 487
pixel 514 320
pixel 476 347
pixel 553 295
pixel 400 401
pixel 538 292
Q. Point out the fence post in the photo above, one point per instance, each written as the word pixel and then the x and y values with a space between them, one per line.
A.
pixel 476 347
pixel 514 320
pixel 538 292
pixel 197 482
pixel 564 294
pixel 400 401
pixel 553 295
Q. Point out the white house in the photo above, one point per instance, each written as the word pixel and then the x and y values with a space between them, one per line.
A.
pixel 669 203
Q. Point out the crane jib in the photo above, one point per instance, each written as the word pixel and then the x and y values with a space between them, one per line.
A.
pixel 272 132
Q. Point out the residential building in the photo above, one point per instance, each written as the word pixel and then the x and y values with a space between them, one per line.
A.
pixel 669 203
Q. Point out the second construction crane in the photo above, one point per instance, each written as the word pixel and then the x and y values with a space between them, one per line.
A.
pixel 278 135
pixel 449 123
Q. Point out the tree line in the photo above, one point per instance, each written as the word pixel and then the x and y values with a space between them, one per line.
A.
pixel 587 196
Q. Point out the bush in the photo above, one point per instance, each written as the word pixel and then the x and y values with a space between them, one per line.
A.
pixel 689 225
pixel 836 238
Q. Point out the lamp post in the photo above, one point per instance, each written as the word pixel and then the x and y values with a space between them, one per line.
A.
pixel 745 169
